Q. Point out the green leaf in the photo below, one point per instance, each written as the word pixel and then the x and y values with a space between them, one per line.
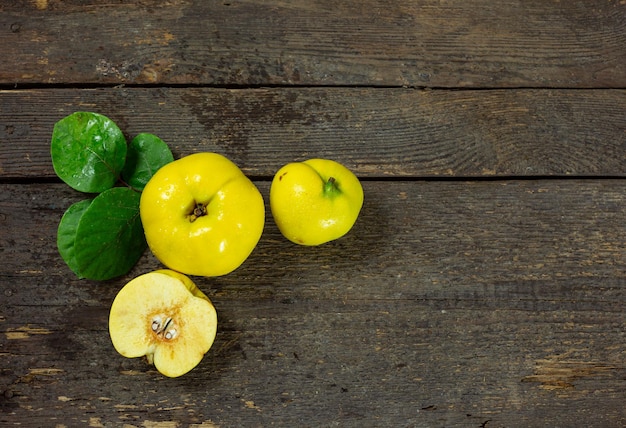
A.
pixel 88 151
pixel 110 237
pixel 66 233
pixel 146 154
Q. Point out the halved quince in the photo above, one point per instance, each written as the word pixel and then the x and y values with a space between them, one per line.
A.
pixel 164 316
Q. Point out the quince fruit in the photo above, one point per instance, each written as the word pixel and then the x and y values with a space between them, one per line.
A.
pixel 164 316
pixel 201 215
pixel 315 201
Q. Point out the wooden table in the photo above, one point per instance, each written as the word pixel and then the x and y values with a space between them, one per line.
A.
pixel 484 284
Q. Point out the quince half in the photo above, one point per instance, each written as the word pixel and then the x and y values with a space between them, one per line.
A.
pixel 164 316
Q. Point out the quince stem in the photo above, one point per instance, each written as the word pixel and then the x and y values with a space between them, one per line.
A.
pixel 330 187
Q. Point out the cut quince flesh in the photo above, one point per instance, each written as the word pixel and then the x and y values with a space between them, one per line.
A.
pixel 164 316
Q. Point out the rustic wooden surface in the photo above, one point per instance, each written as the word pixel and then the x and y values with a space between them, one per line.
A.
pixel 484 284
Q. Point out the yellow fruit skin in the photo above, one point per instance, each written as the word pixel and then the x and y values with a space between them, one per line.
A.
pixel 164 294
pixel 306 209
pixel 208 245
pixel 191 286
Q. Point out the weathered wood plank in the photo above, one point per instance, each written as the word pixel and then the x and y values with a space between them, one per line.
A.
pixel 377 132
pixel 449 304
pixel 474 43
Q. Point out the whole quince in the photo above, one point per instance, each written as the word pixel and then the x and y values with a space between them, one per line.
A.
pixel 315 201
pixel 202 215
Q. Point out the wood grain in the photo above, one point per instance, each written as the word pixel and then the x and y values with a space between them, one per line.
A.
pixel 483 284
pixel 450 303
pixel 426 43
pixel 382 132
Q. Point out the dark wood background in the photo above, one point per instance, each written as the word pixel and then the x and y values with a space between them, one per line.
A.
pixel 484 284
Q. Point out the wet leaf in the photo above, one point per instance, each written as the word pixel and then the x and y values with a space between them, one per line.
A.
pixel 146 154
pixel 66 233
pixel 110 238
pixel 88 151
